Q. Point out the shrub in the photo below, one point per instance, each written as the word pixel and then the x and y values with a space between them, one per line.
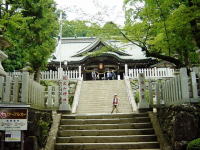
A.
pixel 194 145
pixel 137 96
pixel 44 128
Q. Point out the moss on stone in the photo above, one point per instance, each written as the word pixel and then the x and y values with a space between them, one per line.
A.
pixel 194 145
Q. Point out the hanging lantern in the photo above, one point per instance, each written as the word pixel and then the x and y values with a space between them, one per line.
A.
pixel 101 66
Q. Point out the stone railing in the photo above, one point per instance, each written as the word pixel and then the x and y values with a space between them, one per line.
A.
pixel 23 89
pixel 180 89
pixel 130 94
pixel 77 96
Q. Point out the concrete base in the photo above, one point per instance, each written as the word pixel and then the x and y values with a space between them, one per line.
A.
pixel 143 105
pixel 64 111
pixel 142 110
pixel 65 106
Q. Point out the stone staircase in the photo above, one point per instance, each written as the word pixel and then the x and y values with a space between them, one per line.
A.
pixel 106 132
pixel 96 96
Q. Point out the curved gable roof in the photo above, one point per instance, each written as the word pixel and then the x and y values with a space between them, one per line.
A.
pixel 96 45
pixel 74 49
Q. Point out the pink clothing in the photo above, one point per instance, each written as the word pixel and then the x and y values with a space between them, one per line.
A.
pixel 115 101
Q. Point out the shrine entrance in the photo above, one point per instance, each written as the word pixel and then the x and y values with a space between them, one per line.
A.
pixel 101 65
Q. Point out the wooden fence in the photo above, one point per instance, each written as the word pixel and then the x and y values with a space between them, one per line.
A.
pixel 151 73
pixel 21 88
pixel 57 75
pixel 54 75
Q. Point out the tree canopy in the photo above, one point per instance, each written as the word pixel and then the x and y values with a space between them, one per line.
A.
pixel 31 27
pixel 79 28
pixel 166 30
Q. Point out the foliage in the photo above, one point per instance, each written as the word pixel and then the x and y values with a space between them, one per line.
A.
pixel 164 29
pixel 194 145
pixel 77 28
pixel 13 27
pixel 47 83
pixel 71 98
pixel 137 96
pixel 44 131
pixel 30 26
pixel 41 31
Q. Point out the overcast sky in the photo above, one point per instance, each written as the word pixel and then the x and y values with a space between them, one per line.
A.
pixel 100 11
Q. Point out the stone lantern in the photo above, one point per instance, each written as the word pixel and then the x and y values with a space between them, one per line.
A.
pixel 3 44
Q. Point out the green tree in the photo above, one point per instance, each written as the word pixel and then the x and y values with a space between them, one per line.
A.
pixel 31 26
pixel 163 29
pixel 12 27
pixel 78 28
pixel 42 29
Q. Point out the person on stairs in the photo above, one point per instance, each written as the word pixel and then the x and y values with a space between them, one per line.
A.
pixel 94 77
pixel 115 103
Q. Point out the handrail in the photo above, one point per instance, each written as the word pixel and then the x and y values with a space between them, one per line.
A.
pixel 130 94
pixel 77 95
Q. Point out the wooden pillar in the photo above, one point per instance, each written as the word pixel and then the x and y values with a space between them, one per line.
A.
pixel 126 70
pixel 60 73
pixel 79 72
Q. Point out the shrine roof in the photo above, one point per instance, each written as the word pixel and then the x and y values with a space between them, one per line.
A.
pixel 74 49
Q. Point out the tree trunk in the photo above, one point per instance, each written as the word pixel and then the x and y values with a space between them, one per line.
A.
pixel 170 59
pixel 186 57
pixel 37 75
pixel 173 60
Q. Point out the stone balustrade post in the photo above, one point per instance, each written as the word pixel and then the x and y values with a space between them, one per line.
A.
pixel 142 103
pixel 25 87
pixel 184 85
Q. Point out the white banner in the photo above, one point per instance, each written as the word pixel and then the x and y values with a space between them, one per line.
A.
pixel 13 124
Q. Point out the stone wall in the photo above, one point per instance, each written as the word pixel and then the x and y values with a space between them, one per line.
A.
pixel 180 124
pixel 39 123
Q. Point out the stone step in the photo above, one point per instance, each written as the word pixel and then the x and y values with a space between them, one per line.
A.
pixel 105 98
pixel 105 126
pixel 96 97
pixel 107 139
pixel 103 81
pixel 100 146
pixel 105 121
pixel 104 116
pixel 136 149
pixel 101 111
pixel 107 132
